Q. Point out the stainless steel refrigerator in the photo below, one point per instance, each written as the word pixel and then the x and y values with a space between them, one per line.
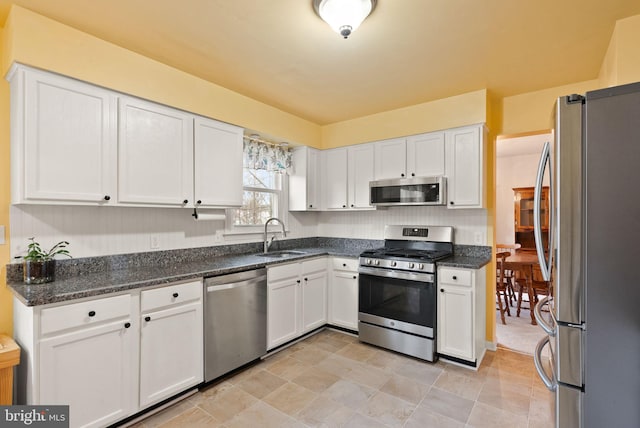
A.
pixel 593 260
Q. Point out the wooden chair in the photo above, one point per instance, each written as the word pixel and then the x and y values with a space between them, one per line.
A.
pixel 539 287
pixel 502 285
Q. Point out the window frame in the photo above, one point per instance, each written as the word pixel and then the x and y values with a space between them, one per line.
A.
pixel 282 196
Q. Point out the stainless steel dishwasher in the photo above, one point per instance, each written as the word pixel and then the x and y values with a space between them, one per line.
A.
pixel 235 321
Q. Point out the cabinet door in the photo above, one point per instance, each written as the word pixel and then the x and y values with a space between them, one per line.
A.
pixel 67 137
pixel 171 355
pixel 390 159
pixel 314 180
pixel 94 371
pixel 455 322
pixel 217 164
pixel 314 301
pixel 282 311
pixel 425 155
pixel 304 180
pixel 464 167
pixel 155 154
pixel 344 300
pixel 335 172
pixel 361 172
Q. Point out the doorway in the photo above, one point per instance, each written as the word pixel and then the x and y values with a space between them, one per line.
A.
pixel 517 159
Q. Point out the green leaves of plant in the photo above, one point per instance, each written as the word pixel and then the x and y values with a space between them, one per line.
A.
pixel 36 253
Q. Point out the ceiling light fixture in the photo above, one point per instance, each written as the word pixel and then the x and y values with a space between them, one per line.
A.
pixel 344 16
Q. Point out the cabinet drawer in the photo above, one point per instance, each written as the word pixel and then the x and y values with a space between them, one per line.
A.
pixel 340 263
pixel 280 272
pixel 170 295
pixel 455 277
pixel 315 265
pixel 84 313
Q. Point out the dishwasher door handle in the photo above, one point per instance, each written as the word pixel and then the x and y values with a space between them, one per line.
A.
pixel 231 285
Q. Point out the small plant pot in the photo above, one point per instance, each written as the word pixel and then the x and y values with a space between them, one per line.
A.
pixel 39 272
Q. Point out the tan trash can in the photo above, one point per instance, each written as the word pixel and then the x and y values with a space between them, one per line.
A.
pixel 9 358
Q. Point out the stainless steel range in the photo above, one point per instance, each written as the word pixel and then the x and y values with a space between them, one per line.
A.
pixel 397 289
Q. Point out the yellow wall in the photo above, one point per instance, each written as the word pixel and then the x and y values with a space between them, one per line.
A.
pixel 6 324
pixel 533 111
pixel 44 43
pixel 622 62
pixel 446 113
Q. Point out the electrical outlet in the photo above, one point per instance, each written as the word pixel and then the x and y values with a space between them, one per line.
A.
pixel 218 237
pixel 478 238
pixel 154 242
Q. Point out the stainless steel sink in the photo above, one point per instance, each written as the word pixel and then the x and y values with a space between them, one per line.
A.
pixel 281 254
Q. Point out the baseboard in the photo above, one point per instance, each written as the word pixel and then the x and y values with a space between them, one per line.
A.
pixel 491 346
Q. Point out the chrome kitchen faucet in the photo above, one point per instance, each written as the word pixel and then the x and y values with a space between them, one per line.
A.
pixel 267 243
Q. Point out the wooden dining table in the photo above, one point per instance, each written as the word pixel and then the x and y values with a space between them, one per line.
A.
pixel 524 263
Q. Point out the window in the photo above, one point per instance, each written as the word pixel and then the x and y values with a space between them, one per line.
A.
pixel 265 186
pixel 262 199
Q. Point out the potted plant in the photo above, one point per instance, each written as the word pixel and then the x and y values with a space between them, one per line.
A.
pixel 39 265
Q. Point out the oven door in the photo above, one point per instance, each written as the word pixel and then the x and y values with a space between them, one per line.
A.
pixel 399 300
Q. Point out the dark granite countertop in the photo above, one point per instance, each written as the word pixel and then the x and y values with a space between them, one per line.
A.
pixel 80 278
pixel 468 262
pixel 117 280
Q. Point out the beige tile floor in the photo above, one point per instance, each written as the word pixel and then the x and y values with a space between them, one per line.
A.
pixel 332 380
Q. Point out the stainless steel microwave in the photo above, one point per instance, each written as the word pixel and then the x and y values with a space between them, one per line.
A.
pixel 408 191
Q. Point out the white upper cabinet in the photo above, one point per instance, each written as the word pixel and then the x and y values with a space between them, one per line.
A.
pixel 304 180
pixel 347 172
pixel 420 155
pixel 217 164
pixel 75 143
pixel 63 139
pixel 360 173
pixel 390 159
pixel 465 167
pixel 155 153
pixel 335 173
pixel 425 155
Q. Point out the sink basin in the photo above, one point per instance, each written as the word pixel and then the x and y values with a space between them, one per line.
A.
pixel 280 254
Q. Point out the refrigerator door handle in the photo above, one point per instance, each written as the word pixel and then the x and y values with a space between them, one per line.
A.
pixel 545 262
pixel 550 382
pixel 548 328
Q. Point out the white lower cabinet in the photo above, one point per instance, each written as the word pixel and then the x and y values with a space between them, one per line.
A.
pixel 93 370
pixel 103 359
pixel 461 313
pixel 171 342
pixel 296 300
pixel 343 293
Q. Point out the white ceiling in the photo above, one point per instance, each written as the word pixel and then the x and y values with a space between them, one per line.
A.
pixel 407 52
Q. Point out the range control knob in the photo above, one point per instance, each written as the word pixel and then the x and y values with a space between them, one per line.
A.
pixel 376 262
pixel 368 261
pixel 411 265
pixel 420 266
pixel 393 264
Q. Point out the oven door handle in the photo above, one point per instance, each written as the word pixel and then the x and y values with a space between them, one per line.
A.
pixel 385 273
